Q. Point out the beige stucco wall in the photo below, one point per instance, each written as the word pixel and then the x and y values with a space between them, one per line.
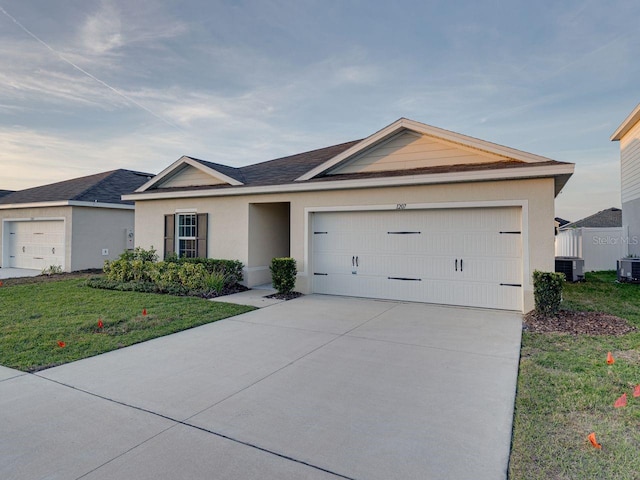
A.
pixel 35 214
pixel 269 237
pixel 229 217
pixel 97 228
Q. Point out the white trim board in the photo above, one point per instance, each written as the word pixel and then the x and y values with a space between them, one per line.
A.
pixel 514 173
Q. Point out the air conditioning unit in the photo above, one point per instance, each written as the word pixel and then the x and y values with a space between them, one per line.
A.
pixel 572 267
pixel 629 270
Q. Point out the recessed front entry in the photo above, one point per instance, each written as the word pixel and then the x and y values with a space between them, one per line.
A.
pixel 36 244
pixel 465 256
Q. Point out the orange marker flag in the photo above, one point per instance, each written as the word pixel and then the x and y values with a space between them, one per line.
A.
pixel 61 344
pixel 592 439
pixel 1 283
pixel 621 402
pixel 636 391
pixel 144 312
pixel 100 324
pixel 610 359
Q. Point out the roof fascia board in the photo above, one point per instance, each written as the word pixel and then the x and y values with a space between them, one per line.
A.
pixel 404 123
pixel 425 179
pixel 626 125
pixel 213 172
pixel 163 174
pixel 66 203
pixel 184 160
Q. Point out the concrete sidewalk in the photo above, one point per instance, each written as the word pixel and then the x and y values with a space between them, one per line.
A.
pixel 317 387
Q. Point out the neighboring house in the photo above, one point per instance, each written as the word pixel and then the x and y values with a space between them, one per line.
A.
pixel 609 218
pixel 599 239
pixel 412 212
pixel 75 224
pixel 628 134
pixel 560 222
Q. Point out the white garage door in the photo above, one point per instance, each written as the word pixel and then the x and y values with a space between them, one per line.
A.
pixel 36 244
pixel 470 256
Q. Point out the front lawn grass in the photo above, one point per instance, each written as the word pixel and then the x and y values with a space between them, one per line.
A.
pixel 35 317
pixel 566 390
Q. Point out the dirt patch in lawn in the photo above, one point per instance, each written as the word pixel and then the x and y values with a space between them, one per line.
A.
pixel 577 323
pixel 51 278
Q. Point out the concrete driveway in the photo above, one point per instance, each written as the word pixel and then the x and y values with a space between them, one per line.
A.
pixel 315 388
pixel 18 273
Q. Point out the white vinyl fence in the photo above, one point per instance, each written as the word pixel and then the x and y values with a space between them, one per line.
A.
pixel 599 247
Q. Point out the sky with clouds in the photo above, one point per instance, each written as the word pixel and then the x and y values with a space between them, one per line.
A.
pixel 88 86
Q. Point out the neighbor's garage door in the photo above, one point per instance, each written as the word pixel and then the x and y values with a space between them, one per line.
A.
pixel 470 256
pixel 36 244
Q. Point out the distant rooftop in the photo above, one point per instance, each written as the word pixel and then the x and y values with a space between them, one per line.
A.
pixel 106 187
pixel 611 217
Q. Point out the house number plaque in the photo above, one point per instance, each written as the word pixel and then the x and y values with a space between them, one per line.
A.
pixel 401 206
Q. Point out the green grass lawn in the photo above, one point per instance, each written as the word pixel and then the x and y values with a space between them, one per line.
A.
pixel 34 317
pixel 566 391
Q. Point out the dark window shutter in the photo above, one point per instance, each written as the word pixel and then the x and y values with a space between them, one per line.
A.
pixel 169 234
pixel 202 226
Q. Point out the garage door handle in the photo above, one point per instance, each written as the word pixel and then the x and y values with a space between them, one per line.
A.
pixel 460 264
pixel 53 250
pixel 456 264
pixel 353 261
pixel 22 249
pixel 357 262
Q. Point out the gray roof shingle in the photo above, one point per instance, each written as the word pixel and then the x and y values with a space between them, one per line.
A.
pixel 281 170
pixel 106 187
pixel 5 192
pixel 611 217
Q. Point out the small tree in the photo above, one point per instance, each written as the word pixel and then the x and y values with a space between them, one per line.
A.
pixel 547 291
pixel 283 274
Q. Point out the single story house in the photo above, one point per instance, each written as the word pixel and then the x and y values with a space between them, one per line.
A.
pixel 628 134
pixel 608 218
pixel 75 224
pixel 412 212
pixel 599 239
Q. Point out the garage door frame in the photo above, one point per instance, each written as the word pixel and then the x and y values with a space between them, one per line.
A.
pixel 6 240
pixel 523 204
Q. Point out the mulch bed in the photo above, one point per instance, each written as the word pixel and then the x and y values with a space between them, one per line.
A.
pixel 285 296
pixel 577 323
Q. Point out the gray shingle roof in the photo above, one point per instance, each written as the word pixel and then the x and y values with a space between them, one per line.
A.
pixel 281 170
pixel 611 217
pixel 5 192
pixel 106 187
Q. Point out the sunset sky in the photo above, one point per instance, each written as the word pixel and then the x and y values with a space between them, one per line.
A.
pixel 88 86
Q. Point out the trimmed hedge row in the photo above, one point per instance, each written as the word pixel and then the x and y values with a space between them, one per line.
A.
pixel 139 270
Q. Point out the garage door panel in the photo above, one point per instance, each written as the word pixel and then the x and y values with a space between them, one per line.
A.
pixel 36 244
pixel 451 256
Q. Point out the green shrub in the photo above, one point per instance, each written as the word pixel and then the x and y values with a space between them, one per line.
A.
pixel 547 290
pixel 283 274
pixel 215 281
pixel 177 276
pixel 192 276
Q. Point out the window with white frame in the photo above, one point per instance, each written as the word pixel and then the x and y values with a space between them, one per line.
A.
pixel 187 235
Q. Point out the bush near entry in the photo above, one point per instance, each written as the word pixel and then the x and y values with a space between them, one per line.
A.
pixel 547 291
pixel 283 274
